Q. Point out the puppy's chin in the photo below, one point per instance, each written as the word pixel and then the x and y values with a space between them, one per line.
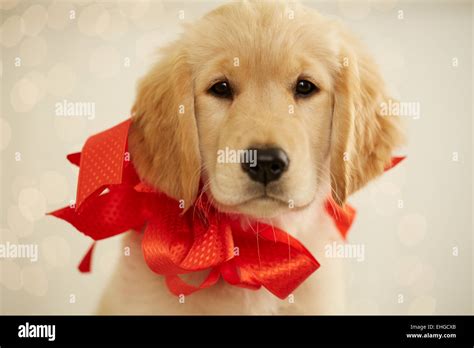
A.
pixel 258 208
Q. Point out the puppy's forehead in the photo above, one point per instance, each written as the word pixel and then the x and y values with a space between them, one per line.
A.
pixel 262 39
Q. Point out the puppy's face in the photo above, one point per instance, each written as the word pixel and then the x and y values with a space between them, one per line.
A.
pixel 269 106
pixel 264 124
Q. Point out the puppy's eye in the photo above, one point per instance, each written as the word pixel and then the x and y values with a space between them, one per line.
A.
pixel 304 88
pixel 221 89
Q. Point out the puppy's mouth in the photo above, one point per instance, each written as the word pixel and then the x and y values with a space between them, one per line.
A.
pixel 260 205
pixel 264 198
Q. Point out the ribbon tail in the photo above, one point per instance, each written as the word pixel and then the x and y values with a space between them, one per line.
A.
pixel 74 158
pixel 85 265
pixel 343 217
pixel 395 161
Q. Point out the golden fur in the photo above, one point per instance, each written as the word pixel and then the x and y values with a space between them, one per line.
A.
pixel 165 144
pixel 336 139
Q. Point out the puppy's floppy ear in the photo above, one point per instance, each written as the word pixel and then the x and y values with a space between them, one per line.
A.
pixel 163 138
pixel 362 140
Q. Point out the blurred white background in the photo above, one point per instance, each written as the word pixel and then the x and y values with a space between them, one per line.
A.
pixel 418 253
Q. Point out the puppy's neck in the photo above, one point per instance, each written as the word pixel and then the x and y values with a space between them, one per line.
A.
pixel 298 222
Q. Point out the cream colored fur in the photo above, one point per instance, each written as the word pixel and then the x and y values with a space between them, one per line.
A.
pixel 336 140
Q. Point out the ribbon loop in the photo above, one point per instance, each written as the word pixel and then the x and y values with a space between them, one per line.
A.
pixel 102 161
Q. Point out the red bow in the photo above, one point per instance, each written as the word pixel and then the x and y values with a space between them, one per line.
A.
pixel 111 200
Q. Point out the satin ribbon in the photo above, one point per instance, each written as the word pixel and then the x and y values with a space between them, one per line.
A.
pixel 111 200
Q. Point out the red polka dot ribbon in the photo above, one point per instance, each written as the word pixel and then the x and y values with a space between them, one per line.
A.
pixel 111 200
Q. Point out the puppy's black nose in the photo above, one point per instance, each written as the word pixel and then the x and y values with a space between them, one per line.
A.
pixel 269 165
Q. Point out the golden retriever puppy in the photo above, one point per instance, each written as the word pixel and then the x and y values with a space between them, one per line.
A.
pixel 278 79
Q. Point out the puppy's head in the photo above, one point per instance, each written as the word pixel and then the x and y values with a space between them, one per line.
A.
pixel 270 106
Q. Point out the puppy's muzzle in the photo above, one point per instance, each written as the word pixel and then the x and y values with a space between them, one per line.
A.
pixel 271 163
